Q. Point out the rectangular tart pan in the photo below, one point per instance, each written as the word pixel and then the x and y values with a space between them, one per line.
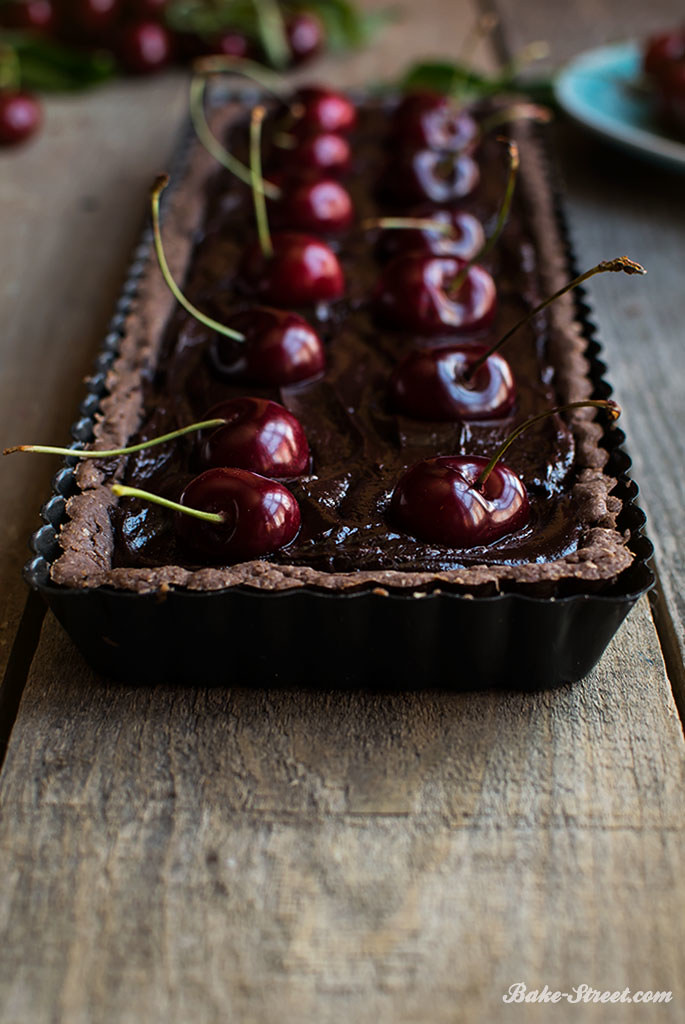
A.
pixel 368 637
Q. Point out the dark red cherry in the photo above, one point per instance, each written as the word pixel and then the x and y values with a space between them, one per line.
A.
pixel 259 435
pixel 436 501
pixel 321 206
pixel 671 94
pixel 144 9
pixel 20 116
pixel 32 15
pixel 663 49
pixel 433 384
pixel 305 35
pixel 261 515
pixel 416 293
pixel 426 175
pixel 91 19
pixel 425 120
pixel 326 153
pixel 319 109
pixel 231 44
pixel 145 47
pixel 280 348
pixel 464 238
pixel 302 271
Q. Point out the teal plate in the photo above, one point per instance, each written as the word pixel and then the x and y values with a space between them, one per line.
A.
pixel 600 90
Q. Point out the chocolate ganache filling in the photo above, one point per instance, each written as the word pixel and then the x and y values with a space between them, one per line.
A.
pixel 359 446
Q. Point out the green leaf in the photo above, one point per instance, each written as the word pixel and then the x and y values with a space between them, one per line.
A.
pixel 459 80
pixel 346 26
pixel 46 66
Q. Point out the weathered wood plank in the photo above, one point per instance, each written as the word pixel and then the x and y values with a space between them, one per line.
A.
pixel 71 204
pixel 620 205
pixel 177 854
pixel 259 855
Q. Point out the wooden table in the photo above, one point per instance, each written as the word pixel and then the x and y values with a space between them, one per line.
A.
pixel 228 855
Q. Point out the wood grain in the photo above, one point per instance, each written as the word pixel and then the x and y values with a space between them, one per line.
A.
pixel 617 205
pixel 176 854
pixel 217 855
pixel 72 205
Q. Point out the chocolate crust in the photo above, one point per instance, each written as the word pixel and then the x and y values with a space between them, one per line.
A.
pixel 87 539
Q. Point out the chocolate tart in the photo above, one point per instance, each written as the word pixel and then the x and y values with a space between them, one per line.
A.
pixel 533 609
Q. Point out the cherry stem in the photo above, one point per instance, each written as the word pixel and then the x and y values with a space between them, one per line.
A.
pixel 612 408
pixel 211 143
pixel 406 223
pixel 160 184
pixel 218 64
pixel 272 31
pixel 612 266
pixel 480 29
pixel 516 112
pixel 502 218
pixel 257 182
pixel 537 50
pixel 10 71
pixel 44 449
pixel 122 491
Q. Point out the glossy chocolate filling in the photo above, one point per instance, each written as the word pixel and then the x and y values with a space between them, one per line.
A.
pixel 171 370
pixel 359 446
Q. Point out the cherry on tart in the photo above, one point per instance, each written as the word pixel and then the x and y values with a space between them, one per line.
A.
pixel 471 382
pixel 435 233
pixel 444 295
pixel 314 109
pixel 299 271
pixel 322 205
pixel 230 515
pixel 288 268
pixel 280 348
pixel 247 433
pixel 325 154
pixel 426 120
pixel 434 384
pixel 300 201
pixel 268 346
pixel 435 295
pixel 466 501
pixel 258 435
pixel 426 175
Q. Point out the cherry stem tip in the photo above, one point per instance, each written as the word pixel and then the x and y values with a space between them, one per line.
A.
pixel 91 453
pixel 608 404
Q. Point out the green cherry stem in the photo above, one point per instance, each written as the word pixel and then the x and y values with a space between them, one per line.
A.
pixel 516 112
pixel 10 72
pixel 272 32
pixel 46 449
pixel 405 223
pixel 482 27
pixel 531 52
pixel 621 263
pixel 122 491
pixel 160 184
pixel 204 133
pixel 257 181
pixel 502 218
pixel 612 408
